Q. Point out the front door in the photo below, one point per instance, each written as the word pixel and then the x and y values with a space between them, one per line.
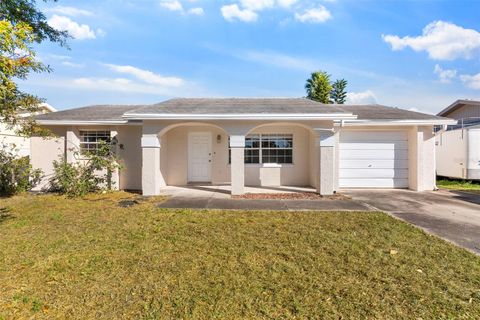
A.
pixel 199 157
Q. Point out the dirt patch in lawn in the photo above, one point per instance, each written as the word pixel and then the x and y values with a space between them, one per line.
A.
pixel 290 196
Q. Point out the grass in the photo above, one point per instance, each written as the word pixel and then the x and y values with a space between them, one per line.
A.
pixel 459 185
pixel 91 258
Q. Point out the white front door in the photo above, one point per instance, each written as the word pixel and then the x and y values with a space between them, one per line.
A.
pixel 199 157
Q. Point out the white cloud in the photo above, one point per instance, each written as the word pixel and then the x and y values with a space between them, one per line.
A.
pixel 196 11
pixel 316 15
pixel 286 3
pixel 172 5
pixel 233 12
pixel 471 81
pixel 257 5
pixel 147 76
pixel 442 40
pixel 445 75
pixel 176 5
pixel 364 97
pixel 76 30
pixel 69 11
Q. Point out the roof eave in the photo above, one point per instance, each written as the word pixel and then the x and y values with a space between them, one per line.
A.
pixel 81 122
pixel 400 122
pixel 251 116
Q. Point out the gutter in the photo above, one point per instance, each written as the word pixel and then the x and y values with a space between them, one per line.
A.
pixel 249 116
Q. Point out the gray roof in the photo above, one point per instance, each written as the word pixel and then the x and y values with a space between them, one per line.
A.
pixel 235 106
pixel 379 112
pixel 457 105
pixel 238 106
pixel 90 113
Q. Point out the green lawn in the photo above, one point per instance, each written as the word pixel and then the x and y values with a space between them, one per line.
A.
pixel 92 259
pixel 459 185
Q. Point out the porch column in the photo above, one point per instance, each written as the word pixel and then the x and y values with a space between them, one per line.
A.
pixel 237 165
pixel 326 162
pixel 152 179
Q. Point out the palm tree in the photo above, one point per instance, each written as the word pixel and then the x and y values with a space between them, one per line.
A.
pixel 338 94
pixel 318 87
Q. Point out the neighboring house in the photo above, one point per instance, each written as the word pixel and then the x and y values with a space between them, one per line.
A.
pixel 9 138
pixel 255 142
pixel 458 146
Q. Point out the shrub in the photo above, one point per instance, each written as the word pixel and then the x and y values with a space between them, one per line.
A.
pixel 16 173
pixel 85 176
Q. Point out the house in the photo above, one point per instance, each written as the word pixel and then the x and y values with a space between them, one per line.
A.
pixel 255 142
pixel 9 137
pixel 458 146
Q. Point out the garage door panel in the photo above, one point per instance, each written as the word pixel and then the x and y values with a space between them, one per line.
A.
pixel 384 145
pixel 368 136
pixel 374 164
pixel 375 173
pixel 373 154
pixel 374 183
pixel 373 159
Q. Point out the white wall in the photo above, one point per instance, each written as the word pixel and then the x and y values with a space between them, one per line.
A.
pixel 451 151
pixel 473 154
pixel 8 139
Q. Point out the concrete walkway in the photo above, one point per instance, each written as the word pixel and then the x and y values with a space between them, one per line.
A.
pixel 242 204
pixel 454 216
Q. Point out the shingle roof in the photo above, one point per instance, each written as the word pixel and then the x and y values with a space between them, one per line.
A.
pixel 458 104
pixel 90 113
pixel 235 106
pixel 379 112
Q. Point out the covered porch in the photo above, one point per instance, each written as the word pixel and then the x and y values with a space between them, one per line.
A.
pixel 238 157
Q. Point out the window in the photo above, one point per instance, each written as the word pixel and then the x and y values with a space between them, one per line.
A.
pixel 89 140
pixel 268 148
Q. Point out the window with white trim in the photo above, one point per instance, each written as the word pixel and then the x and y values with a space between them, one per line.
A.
pixel 268 148
pixel 91 139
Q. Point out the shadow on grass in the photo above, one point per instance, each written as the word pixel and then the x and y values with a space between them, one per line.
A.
pixel 5 214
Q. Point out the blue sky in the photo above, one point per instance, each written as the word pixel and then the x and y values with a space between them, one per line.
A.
pixel 419 55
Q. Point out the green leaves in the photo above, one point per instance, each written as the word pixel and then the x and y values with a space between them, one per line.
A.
pixel 319 88
pixel 338 94
pixel 21 26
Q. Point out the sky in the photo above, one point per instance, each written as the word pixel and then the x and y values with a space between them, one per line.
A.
pixel 417 55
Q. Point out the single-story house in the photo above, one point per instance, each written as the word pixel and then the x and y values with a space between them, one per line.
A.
pixel 9 138
pixel 253 142
pixel 458 146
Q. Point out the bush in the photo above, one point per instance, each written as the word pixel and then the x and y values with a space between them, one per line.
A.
pixel 16 173
pixel 89 175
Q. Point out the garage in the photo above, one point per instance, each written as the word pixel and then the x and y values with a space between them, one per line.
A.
pixel 373 159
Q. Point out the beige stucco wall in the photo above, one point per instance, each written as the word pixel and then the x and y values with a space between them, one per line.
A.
pixel 130 154
pixel 296 174
pixel 43 152
pixel 174 150
pixel 176 142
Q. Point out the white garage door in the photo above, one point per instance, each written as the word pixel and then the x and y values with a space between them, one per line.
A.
pixel 373 159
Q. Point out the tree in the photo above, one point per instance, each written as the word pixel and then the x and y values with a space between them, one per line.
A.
pixel 338 94
pixel 21 25
pixel 318 87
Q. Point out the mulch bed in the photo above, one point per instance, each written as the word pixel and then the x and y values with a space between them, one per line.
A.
pixel 290 196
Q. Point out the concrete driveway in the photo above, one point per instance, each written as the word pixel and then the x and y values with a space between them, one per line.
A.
pixel 454 216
